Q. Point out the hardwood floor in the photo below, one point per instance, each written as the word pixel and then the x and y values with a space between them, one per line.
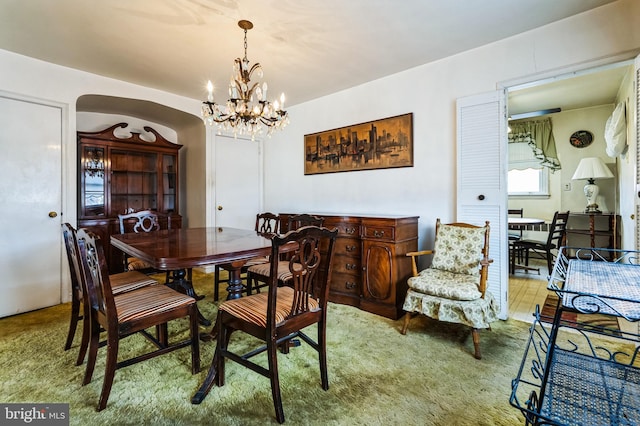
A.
pixel 526 290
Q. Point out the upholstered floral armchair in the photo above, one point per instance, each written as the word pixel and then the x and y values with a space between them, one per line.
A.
pixel 453 288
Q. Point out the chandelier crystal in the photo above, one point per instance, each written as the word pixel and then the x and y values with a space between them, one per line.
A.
pixel 241 114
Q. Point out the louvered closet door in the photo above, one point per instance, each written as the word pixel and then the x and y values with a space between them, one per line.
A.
pixel 482 179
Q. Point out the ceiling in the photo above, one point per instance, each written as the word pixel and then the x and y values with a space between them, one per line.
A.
pixel 308 48
pixel 592 88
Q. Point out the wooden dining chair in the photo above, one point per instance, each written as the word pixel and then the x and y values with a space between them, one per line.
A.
pixel 266 223
pixel 129 313
pixel 258 275
pixel 121 283
pixel 279 315
pixel 143 221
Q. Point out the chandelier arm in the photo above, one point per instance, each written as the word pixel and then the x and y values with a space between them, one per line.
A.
pixel 253 68
pixel 250 91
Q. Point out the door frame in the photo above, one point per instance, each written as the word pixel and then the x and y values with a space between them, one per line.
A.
pixel 562 73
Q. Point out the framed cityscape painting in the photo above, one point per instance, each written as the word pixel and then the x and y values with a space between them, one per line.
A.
pixel 379 144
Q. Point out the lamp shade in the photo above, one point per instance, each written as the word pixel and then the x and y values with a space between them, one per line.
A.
pixel 592 168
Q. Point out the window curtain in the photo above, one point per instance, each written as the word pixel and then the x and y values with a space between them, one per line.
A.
pixel 538 135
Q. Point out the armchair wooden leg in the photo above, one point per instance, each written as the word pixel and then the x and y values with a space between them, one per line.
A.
pixel 405 325
pixel 475 333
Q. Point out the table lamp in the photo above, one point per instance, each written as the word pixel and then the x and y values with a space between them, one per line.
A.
pixel 591 168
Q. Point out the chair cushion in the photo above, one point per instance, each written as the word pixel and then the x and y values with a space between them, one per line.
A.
pixel 253 308
pixel 448 285
pixel 257 261
pixel 150 300
pixel 458 249
pixel 128 281
pixel 264 269
pixel 135 264
pixel 479 313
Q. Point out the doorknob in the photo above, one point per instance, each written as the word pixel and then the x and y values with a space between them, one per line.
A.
pixel 480 197
pixel 219 207
pixel 53 214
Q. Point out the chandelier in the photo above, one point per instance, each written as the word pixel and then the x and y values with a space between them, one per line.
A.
pixel 241 115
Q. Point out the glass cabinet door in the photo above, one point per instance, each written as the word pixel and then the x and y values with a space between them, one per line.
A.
pixel 92 181
pixel 169 183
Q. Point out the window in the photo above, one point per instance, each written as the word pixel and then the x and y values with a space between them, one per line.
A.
pixel 526 176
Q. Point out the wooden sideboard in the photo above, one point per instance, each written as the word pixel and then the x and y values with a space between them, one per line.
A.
pixel 370 266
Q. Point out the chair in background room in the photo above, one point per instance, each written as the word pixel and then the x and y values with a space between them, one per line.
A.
pixel 129 313
pixel 279 315
pixel 258 275
pixel 527 248
pixel 454 287
pixel 266 223
pixel 514 235
pixel 121 283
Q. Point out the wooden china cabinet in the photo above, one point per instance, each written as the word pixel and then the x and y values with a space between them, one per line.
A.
pixel 370 266
pixel 123 175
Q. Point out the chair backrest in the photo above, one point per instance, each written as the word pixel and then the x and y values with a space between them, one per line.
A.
pixel 96 274
pixel 459 247
pixel 310 263
pixel 300 220
pixel 73 257
pixel 144 221
pixel 516 212
pixel 267 223
pixel 557 230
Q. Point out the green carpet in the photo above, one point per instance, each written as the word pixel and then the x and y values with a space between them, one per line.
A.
pixel 376 375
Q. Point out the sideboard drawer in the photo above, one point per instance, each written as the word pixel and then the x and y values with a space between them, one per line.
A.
pixel 345 283
pixel 347 227
pixel 379 232
pixel 348 246
pixel 346 264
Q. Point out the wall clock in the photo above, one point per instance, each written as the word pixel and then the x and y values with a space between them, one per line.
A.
pixel 581 138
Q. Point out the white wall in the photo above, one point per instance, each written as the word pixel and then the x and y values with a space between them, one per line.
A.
pixel 594 120
pixel 430 92
pixel 33 78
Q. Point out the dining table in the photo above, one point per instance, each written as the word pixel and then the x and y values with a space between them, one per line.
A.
pixel 177 250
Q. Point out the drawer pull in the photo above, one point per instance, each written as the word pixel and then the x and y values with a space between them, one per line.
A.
pixel 350 231
pixel 350 285
pixel 350 266
pixel 378 234
pixel 350 248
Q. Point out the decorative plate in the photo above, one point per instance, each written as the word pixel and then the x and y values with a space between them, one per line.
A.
pixel 581 138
